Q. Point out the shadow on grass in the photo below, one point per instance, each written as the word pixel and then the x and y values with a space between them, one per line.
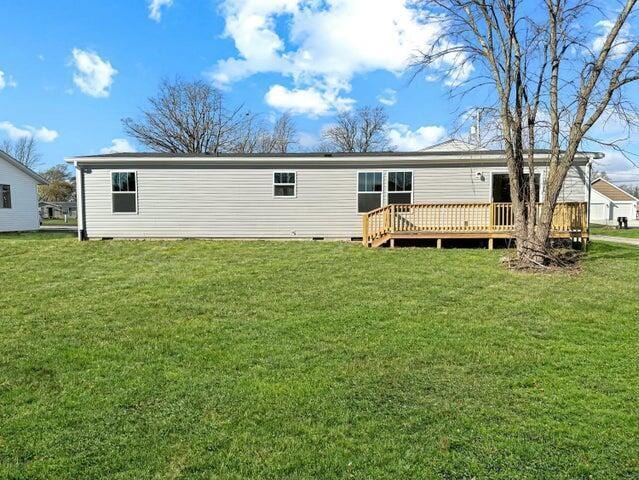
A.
pixel 612 251
pixel 36 235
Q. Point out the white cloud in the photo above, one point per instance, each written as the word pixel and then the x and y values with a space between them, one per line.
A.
pixel 118 145
pixel 327 42
pixel 308 101
pixel 94 76
pixel 407 140
pixel 42 134
pixel 155 8
pixel 388 97
pixel 619 168
pixel 7 82
pixel 620 47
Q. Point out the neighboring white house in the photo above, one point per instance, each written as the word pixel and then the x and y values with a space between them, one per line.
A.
pixel 608 202
pixel 58 210
pixel 307 195
pixel 18 196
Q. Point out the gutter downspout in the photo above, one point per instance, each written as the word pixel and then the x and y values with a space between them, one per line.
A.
pixel 590 162
pixel 80 198
pixel 591 159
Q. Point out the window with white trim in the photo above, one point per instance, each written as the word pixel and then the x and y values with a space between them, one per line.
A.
pixel 400 187
pixel 284 184
pixel 369 191
pixel 5 196
pixel 124 192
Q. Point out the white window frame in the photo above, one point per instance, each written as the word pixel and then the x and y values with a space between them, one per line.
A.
pixel 381 193
pixel 111 172
pixel 502 171
pixel 284 184
pixel 412 185
pixel 10 197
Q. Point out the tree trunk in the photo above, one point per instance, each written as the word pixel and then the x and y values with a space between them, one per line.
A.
pixel 533 247
pixel 533 236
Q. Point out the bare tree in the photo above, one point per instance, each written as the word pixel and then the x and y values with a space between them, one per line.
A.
pixel 281 137
pixel 189 117
pixel 600 174
pixel 192 117
pixel 361 131
pixel 631 189
pixel 551 81
pixel 24 150
pixel 255 136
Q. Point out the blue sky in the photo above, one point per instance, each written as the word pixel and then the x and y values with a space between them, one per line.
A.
pixel 72 70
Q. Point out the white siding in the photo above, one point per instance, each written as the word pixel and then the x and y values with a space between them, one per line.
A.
pixel 605 211
pixel 215 201
pixel 575 187
pixel 600 208
pixel 23 214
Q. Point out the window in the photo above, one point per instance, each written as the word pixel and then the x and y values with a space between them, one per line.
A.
pixel 400 187
pixel 123 192
pixel 501 187
pixel 284 184
pixel 369 191
pixel 5 196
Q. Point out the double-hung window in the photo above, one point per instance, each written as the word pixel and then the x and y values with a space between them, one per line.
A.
pixel 124 192
pixel 400 187
pixel 5 196
pixel 284 184
pixel 369 191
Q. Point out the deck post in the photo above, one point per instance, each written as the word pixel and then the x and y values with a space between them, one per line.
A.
pixel 365 229
pixel 490 243
pixel 392 218
pixel 439 243
pixel 491 221
pixel 392 243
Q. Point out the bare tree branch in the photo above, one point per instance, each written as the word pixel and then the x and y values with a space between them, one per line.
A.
pixel 361 131
pixel 24 150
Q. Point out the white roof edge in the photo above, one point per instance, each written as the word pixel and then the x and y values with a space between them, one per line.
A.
pixel 12 161
pixel 613 185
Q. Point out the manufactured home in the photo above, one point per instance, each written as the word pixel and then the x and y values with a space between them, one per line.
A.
pixel 374 197
pixel 18 196
pixel 609 202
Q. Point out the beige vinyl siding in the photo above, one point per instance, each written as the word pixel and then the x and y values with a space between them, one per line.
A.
pixel 23 214
pixel 451 185
pixel 213 202
pixel 238 202
pixel 575 187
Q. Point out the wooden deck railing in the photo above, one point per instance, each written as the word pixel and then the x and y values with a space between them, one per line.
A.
pixel 492 219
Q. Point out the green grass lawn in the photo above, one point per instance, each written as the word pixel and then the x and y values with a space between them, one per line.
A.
pixel 295 360
pixel 60 221
pixel 614 232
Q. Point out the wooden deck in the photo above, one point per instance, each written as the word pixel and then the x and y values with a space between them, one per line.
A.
pixel 462 220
